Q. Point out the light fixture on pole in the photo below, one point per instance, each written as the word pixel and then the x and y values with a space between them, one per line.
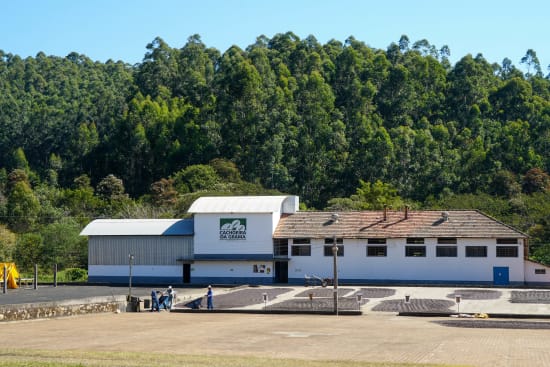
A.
pixel 335 267
pixel 130 261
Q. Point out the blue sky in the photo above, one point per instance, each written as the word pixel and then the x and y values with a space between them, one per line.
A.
pixel 121 29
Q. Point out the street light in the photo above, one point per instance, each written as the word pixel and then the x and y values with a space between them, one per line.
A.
pixel 335 267
pixel 130 260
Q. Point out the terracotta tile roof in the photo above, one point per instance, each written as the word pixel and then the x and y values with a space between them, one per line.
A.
pixel 371 224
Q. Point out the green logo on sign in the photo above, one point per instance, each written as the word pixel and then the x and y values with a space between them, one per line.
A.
pixel 232 228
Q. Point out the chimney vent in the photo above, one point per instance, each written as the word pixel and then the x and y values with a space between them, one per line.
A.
pixel 445 216
pixel 406 212
pixel 385 213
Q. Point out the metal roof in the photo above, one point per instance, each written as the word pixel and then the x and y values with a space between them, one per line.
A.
pixel 245 204
pixel 371 224
pixel 139 227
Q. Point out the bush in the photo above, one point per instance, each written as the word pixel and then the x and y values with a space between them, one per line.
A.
pixel 75 274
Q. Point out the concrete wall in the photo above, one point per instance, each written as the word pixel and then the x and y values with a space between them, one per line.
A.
pixel 355 265
pixel 232 272
pixel 259 231
pixel 531 277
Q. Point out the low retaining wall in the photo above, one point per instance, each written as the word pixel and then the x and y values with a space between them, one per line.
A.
pixel 73 308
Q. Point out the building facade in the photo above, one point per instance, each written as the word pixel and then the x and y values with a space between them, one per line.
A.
pixel 267 240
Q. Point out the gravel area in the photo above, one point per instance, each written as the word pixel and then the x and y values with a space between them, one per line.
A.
pixel 317 304
pixel 323 292
pixel 542 297
pixel 375 292
pixel 475 294
pixel 246 297
pixel 415 305
pixel 494 324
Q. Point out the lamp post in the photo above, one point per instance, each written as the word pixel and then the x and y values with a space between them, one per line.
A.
pixel 335 267
pixel 130 261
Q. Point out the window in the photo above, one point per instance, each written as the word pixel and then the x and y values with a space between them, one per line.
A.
pixel 376 241
pixel 280 247
pixel 415 241
pixel 301 241
pixel 507 251
pixel 330 241
pixel 446 241
pixel 415 251
pixel 540 271
pixel 328 251
pixel 476 251
pixel 507 241
pixel 301 250
pixel 377 251
pixel 446 251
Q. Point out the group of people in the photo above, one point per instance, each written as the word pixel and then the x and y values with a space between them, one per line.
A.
pixel 162 300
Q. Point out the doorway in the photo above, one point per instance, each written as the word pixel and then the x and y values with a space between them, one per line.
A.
pixel 186 273
pixel 281 271
pixel 501 275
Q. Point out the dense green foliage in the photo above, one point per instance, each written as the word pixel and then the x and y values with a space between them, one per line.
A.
pixel 342 125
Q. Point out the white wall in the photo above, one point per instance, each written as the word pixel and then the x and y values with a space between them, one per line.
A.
pixel 258 240
pixel 396 266
pixel 531 277
pixel 233 269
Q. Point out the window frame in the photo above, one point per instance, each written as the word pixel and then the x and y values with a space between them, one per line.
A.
pixel 377 241
pixel 327 250
pixel 300 250
pixel 447 241
pixel 471 251
pixel 507 251
pixel 415 240
pixel 410 251
pixel 377 249
pixel 440 251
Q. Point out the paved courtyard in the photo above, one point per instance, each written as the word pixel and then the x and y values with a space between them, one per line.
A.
pixel 377 335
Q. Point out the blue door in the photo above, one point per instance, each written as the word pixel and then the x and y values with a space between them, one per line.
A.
pixel 501 275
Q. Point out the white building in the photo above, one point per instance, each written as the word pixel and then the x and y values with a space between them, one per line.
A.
pixel 265 240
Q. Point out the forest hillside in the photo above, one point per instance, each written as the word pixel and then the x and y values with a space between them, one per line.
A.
pixel 341 124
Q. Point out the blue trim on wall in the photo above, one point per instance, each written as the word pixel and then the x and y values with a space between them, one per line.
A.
pixel 142 280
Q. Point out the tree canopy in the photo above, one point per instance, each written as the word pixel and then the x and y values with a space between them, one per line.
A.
pixel 341 124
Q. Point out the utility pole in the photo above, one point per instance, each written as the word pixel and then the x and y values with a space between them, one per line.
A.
pixel 130 260
pixel 335 282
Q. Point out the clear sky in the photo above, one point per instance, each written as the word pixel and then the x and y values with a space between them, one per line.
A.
pixel 121 29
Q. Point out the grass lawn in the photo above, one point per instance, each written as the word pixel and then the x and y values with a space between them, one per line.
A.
pixel 33 358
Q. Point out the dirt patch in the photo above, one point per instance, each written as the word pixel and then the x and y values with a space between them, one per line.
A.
pixel 415 305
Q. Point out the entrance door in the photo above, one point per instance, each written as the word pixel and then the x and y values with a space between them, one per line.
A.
pixel 281 272
pixel 186 273
pixel 501 275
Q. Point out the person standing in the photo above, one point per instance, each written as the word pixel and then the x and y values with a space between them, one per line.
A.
pixel 209 296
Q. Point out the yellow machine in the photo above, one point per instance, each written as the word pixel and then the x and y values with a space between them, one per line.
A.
pixel 12 273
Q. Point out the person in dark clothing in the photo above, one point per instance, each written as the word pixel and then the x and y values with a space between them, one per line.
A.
pixel 209 296
pixel 154 301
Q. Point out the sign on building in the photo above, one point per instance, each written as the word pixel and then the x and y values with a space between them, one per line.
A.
pixel 232 228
